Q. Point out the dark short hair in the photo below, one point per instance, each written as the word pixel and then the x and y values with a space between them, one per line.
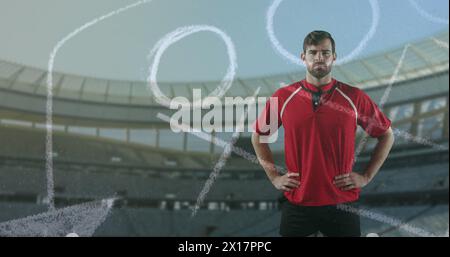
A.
pixel 317 36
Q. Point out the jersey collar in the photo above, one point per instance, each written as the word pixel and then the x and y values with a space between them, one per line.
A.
pixel 323 88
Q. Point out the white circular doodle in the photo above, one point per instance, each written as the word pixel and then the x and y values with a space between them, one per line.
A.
pixel 427 15
pixel 296 60
pixel 177 35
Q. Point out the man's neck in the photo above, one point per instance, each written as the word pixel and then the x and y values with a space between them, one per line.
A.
pixel 318 82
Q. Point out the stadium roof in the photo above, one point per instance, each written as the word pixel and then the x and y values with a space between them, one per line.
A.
pixel 426 57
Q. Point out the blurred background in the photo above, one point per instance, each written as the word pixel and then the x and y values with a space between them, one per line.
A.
pixel 109 142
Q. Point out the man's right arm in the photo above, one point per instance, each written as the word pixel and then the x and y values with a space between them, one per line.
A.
pixel 281 182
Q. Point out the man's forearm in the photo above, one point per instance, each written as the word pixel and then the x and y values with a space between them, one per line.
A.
pixel 265 157
pixel 379 154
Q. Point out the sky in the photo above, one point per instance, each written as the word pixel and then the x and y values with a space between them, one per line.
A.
pixel 118 47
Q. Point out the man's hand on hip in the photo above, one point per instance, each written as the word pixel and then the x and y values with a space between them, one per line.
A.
pixel 350 181
pixel 286 182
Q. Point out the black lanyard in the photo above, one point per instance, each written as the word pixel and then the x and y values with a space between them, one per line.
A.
pixel 316 96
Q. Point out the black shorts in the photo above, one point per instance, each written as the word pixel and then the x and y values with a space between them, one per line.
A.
pixel 297 220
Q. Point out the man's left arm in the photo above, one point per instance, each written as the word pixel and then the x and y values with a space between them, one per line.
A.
pixel 355 180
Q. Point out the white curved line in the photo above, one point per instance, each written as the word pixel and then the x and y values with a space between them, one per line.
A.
pixel 351 103
pixel 289 99
pixel 175 36
pixel 296 60
pixel 427 15
pixel 49 105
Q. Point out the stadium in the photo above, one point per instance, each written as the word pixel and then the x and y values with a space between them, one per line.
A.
pixel 119 169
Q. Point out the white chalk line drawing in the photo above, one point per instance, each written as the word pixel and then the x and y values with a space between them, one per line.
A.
pixel 295 59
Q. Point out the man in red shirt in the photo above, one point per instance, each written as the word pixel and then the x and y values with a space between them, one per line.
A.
pixel 320 116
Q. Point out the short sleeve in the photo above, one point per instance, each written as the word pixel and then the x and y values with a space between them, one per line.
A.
pixel 370 117
pixel 262 124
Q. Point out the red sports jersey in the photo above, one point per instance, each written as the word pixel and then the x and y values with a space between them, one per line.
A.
pixel 320 141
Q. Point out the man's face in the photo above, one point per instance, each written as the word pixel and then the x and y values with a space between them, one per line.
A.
pixel 319 58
